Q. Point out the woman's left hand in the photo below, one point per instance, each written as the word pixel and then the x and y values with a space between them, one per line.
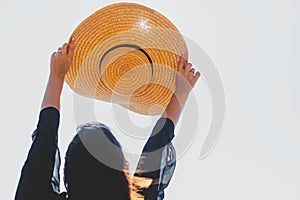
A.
pixel 62 59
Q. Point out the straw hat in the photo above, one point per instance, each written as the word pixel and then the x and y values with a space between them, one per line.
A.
pixel 127 54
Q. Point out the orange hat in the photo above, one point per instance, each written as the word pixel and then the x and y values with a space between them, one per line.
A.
pixel 127 54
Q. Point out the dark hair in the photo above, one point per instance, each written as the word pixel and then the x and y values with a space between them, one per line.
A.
pixel 93 165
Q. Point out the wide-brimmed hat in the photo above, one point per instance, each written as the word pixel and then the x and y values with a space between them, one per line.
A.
pixel 127 54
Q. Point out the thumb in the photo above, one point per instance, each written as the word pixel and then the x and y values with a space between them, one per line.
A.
pixel 71 48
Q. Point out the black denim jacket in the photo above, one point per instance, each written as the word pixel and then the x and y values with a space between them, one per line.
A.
pixel 40 177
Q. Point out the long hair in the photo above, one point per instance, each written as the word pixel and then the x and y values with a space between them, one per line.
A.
pixel 94 165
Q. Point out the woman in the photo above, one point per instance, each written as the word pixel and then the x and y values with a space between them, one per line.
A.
pixel 85 176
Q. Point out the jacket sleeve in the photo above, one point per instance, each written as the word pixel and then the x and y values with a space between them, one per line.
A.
pixel 36 181
pixel 158 159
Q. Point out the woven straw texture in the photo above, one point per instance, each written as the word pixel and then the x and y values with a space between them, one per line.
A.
pixel 126 54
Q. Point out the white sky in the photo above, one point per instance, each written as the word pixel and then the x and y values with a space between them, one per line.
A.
pixel 255 46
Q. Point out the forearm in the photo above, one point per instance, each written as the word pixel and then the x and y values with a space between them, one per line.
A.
pixel 174 108
pixel 35 180
pixel 53 92
pixel 186 79
pixel 153 160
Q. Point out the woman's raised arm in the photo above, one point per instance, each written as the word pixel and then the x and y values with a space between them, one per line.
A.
pixel 186 79
pixel 37 179
pixel 60 64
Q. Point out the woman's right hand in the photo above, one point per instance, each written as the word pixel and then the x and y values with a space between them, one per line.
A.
pixel 186 77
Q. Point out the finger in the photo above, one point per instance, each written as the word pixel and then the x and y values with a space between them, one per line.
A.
pixel 65 48
pixel 180 64
pixel 188 69
pixel 71 48
pixel 53 54
pixel 197 76
pixel 185 63
pixel 191 74
pixel 59 50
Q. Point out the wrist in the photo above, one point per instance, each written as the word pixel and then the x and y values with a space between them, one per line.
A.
pixel 56 77
pixel 181 95
pixel 55 84
pixel 53 92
